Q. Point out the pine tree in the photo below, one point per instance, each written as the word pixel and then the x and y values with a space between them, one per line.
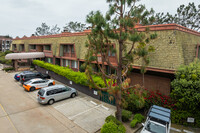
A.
pixel 118 27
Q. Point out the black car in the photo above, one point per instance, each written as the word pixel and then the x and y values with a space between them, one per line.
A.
pixel 28 76
pixel 17 76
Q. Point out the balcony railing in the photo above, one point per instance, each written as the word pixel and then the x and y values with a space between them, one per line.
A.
pixel 69 54
pixel 33 50
pixel 48 53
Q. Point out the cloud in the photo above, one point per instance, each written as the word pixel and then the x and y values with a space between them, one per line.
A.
pixel 22 17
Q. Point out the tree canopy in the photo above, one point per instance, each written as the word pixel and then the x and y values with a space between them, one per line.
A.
pixel 187 16
pixel 114 35
pixel 74 27
pixel 47 30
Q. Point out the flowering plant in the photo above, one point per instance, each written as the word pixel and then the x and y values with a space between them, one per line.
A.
pixel 156 98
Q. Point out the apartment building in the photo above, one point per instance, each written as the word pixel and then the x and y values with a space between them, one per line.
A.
pixel 5 43
pixel 175 45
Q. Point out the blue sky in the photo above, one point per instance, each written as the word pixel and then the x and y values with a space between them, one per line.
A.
pixel 22 17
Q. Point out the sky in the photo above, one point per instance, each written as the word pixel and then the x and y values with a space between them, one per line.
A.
pixel 22 17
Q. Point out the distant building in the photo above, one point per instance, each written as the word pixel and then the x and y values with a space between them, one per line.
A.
pixel 5 43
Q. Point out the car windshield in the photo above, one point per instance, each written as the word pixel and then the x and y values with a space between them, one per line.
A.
pixel 41 92
pixel 155 128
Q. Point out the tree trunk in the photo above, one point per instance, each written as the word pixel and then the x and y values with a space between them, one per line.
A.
pixel 119 75
pixel 118 106
pixel 119 70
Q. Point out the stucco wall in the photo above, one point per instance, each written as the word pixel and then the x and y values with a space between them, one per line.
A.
pixel 173 47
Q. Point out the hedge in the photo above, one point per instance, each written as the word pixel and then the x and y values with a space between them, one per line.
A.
pixel 139 117
pixel 112 125
pixel 126 115
pixel 8 69
pixel 77 77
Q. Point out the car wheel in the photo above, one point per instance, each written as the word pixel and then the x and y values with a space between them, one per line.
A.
pixel 50 102
pixel 73 95
pixel 50 84
pixel 32 88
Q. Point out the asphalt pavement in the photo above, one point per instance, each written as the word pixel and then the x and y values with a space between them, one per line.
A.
pixel 21 113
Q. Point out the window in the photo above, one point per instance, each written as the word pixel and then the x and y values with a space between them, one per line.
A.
pixel 111 51
pixel 47 47
pixel 14 47
pixel 42 81
pixel 49 60
pixel 59 90
pixel 72 48
pixel 67 62
pixel 41 92
pixel 32 46
pixel 21 47
pixel 66 49
pixel 74 64
pixel 36 82
pixel 50 92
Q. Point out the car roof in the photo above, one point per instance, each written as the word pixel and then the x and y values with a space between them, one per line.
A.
pixel 36 79
pixel 53 87
pixel 26 72
pixel 160 113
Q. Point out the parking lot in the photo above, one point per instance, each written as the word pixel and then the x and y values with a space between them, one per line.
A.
pixel 20 112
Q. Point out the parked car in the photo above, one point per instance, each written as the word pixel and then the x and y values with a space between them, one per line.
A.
pixel 49 95
pixel 37 83
pixel 17 76
pixel 25 77
pixel 158 120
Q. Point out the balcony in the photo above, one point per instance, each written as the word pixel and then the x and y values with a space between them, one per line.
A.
pixel 112 59
pixel 33 50
pixel 69 54
pixel 48 53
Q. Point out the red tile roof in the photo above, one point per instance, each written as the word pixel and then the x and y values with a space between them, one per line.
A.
pixel 160 27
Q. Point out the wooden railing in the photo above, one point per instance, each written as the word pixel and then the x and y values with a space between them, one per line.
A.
pixel 69 54
pixel 48 53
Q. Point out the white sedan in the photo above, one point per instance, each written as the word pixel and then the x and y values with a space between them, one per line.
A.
pixel 37 83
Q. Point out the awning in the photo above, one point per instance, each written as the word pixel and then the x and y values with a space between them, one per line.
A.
pixel 29 55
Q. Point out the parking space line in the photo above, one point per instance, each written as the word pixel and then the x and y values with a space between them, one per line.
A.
pixel 83 112
pixel 9 119
pixel 58 106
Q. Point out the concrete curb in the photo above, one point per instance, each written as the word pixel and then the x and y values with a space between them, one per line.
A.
pixel 140 127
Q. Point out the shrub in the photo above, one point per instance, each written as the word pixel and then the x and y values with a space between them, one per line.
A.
pixel 156 98
pixel 180 117
pixel 111 127
pixel 126 115
pixel 77 77
pixel 114 119
pixel 139 117
pixel 8 69
pixel 133 123
pixel 186 87
pixel 133 99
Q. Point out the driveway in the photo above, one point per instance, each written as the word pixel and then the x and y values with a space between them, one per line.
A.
pixel 21 113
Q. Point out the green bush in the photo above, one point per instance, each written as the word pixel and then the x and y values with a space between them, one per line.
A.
pixel 133 123
pixel 8 69
pixel 186 87
pixel 180 117
pixel 77 77
pixel 114 119
pixel 139 117
pixel 126 115
pixel 111 127
pixel 134 99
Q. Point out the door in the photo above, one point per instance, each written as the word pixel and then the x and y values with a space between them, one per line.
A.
pixel 66 92
pixel 58 94
pixel 42 83
pixel 40 48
